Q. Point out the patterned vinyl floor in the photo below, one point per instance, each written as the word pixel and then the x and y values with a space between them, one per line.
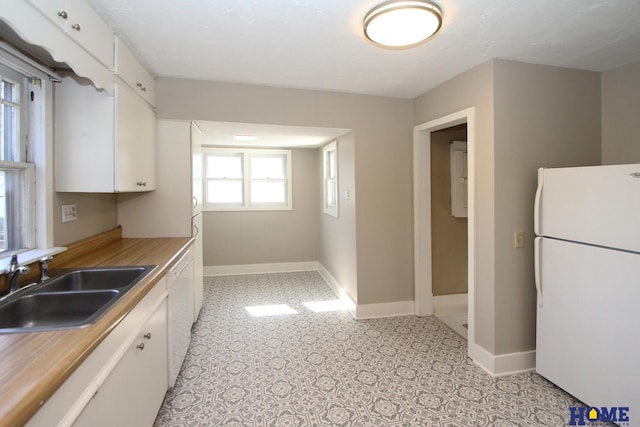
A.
pixel 326 369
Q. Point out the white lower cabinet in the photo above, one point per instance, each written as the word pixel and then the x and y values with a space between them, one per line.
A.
pixel 123 381
pixel 133 392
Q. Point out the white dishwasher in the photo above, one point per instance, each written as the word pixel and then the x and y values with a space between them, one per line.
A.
pixel 180 280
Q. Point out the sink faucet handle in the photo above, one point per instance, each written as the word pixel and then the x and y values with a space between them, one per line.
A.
pixel 44 267
pixel 13 265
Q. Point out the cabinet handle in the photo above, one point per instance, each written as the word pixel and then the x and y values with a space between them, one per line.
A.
pixel 141 183
pixel 76 27
pixel 147 335
pixel 140 346
pixel 63 14
pixel 142 88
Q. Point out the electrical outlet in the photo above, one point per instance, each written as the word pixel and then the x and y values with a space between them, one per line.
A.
pixel 69 213
pixel 518 239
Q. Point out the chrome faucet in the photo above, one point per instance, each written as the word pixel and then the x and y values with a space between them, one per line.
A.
pixel 44 268
pixel 14 273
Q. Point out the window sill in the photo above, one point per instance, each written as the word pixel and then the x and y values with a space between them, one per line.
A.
pixel 30 256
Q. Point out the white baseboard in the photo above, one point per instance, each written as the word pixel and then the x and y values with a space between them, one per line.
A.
pixel 444 305
pixel 389 309
pixel 503 364
pixel 283 267
pixel 337 289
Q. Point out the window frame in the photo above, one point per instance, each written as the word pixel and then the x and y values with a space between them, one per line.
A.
pixel 36 163
pixel 327 181
pixel 247 154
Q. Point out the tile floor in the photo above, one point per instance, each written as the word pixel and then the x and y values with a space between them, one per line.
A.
pixel 323 368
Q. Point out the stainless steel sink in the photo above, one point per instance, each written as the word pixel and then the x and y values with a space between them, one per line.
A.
pixel 93 279
pixel 50 311
pixel 70 299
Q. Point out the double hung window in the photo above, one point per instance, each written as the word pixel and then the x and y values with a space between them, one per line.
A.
pixel 17 229
pixel 247 179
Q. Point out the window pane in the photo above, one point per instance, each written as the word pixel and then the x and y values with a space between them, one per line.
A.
pixel 8 132
pixel 224 167
pixel 331 193
pixel 267 167
pixel 11 221
pixel 224 192
pixel 268 192
pixel 331 164
pixel 8 91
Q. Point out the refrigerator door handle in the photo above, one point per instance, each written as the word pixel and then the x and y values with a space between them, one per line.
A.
pixel 537 246
pixel 536 205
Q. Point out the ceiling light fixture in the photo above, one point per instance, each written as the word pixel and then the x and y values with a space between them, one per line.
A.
pixel 244 138
pixel 398 24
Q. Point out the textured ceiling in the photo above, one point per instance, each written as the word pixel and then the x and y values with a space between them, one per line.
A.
pixel 318 44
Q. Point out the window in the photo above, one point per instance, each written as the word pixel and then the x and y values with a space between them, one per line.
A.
pixel 247 179
pixel 330 174
pixel 16 174
pixel 26 158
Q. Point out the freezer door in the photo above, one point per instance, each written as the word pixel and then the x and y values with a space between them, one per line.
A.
pixel 587 327
pixel 599 205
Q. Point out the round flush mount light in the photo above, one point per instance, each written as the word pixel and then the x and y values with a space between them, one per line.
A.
pixel 399 24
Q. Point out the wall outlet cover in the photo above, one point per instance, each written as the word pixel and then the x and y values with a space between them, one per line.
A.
pixel 69 213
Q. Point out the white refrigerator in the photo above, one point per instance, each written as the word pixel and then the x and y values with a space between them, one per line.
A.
pixel 587 256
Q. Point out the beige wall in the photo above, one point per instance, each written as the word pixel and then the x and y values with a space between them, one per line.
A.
pixel 620 113
pixel 382 170
pixel 258 237
pixel 337 235
pixel 96 213
pixel 544 117
pixel 527 116
pixel 448 234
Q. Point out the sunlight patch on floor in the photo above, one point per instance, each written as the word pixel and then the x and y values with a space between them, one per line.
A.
pixel 270 310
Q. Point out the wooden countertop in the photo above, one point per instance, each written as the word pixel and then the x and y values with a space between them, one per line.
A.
pixel 33 365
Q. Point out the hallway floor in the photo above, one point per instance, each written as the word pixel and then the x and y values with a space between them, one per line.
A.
pixel 322 368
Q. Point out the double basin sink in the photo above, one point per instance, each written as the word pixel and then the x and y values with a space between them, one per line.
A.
pixel 70 299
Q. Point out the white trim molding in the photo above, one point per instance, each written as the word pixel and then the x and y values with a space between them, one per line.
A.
pixel 502 364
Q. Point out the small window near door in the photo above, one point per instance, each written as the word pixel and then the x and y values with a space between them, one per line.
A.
pixel 330 174
pixel 247 179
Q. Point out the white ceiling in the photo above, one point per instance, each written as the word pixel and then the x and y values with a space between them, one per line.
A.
pixel 222 134
pixel 318 44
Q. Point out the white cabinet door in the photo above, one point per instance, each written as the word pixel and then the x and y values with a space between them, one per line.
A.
pixel 54 10
pixel 82 24
pixel 104 143
pixel 129 69
pixel 135 143
pixel 84 137
pixel 134 390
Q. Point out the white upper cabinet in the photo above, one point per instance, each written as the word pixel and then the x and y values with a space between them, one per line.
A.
pixel 129 69
pixel 104 143
pixel 82 24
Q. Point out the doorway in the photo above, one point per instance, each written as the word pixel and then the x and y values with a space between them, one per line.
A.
pixel 423 282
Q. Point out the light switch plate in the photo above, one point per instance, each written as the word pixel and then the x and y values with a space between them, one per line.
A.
pixel 69 213
pixel 518 239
